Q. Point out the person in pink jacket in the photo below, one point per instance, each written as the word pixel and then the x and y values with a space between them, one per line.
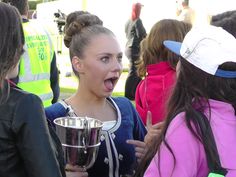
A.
pixel 157 66
pixel 199 135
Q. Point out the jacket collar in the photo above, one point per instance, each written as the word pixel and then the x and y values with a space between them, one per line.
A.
pixel 159 68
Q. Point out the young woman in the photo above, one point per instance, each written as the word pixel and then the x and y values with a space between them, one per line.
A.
pixel 96 59
pixel 135 33
pixel 199 133
pixel 157 64
pixel 25 144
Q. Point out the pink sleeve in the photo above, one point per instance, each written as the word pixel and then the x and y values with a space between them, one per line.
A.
pixel 188 151
pixel 158 92
pixel 141 109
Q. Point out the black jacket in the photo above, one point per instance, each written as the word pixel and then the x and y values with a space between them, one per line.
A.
pixel 26 147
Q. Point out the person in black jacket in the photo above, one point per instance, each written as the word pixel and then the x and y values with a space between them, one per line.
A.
pixel 26 147
pixel 135 33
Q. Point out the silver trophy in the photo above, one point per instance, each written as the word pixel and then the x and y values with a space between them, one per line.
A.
pixel 80 138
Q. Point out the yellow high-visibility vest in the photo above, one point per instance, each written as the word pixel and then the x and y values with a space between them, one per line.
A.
pixel 35 63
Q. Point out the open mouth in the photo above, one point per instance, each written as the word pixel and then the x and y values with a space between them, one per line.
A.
pixel 110 83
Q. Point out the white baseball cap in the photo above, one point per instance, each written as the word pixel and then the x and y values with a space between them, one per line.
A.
pixel 207 47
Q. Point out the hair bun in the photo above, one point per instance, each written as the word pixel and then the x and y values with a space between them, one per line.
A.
pixel 78 21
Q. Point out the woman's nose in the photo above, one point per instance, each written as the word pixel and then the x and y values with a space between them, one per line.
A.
pixel 118 66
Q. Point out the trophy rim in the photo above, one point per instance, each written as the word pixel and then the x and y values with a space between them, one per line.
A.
pixel 83 147
pixel 55 121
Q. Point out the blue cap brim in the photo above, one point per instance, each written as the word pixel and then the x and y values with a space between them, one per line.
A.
pixel 173 46
pixel 225 74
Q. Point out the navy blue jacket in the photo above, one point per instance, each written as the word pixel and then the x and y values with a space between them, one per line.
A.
pixel 115 156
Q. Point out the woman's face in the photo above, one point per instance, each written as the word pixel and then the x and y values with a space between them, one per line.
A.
pixel 101 65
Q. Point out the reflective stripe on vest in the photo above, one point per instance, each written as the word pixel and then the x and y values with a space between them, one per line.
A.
pixel 35 64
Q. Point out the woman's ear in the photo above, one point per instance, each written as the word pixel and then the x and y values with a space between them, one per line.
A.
pixel 13 72
pixel 77 64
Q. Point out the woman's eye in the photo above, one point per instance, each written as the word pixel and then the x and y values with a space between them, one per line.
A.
pixel 119 58
pixel 105 59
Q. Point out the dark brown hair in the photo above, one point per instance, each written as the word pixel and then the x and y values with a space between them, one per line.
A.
pixel 193 87
pixel 11 41
pixel 226 20
pixel 221 16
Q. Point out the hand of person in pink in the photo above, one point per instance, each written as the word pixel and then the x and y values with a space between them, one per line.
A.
pixel 140 148
pixel 153 131
pixel 75 171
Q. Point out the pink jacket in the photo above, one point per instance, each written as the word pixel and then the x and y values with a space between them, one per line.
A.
pixel 189 152
pixel 152 92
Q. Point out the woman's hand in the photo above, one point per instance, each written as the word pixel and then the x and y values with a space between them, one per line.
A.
pixel 75 171
pixel 140 148
pixel 153 131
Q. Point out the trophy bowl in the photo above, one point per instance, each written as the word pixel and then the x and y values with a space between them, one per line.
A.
pixel 81 156
pixel 80 138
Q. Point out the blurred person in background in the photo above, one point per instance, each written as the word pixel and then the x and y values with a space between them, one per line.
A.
pixel 38 71
pixel 135 33
pixel 184 12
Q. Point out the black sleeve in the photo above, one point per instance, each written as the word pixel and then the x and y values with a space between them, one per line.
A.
pixel 33 139
pixel 140 30
pixel 54 79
